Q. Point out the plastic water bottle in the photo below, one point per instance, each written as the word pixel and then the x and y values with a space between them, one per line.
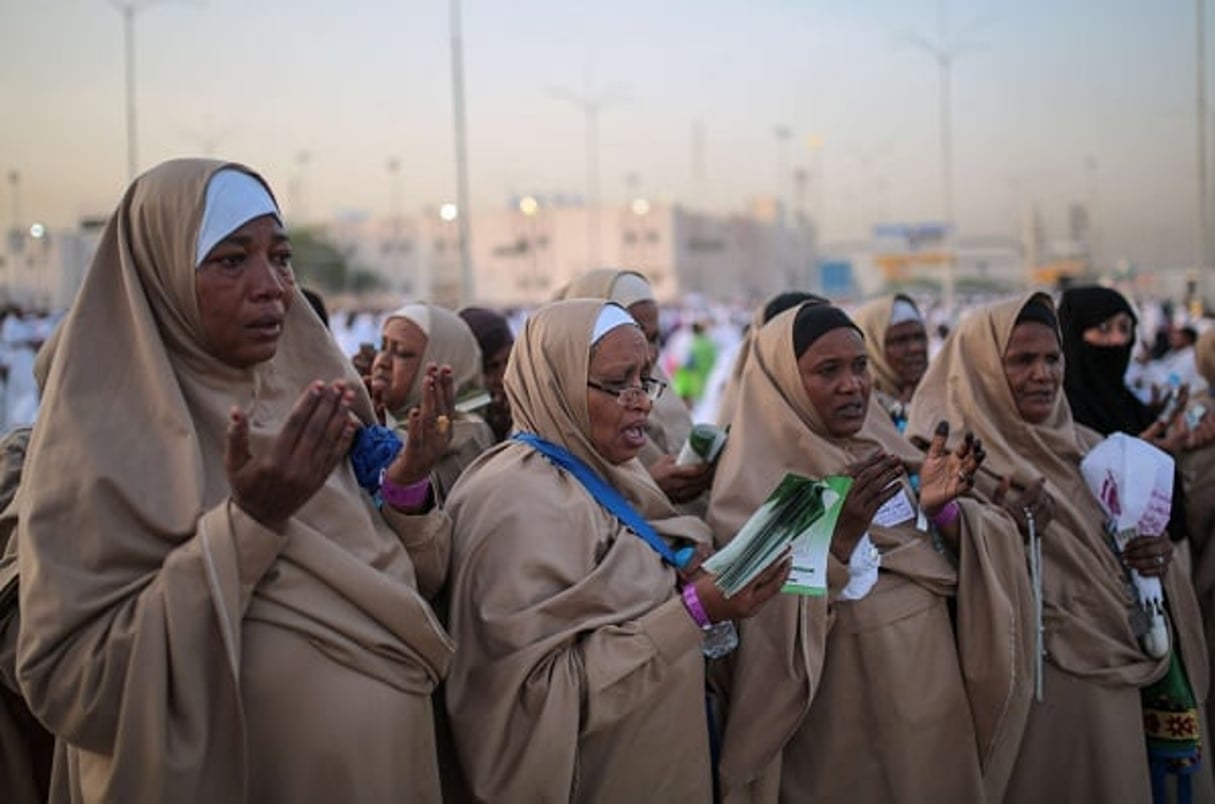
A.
pixel 719 639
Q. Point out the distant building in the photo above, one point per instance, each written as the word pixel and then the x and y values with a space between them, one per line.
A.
pixel 522 254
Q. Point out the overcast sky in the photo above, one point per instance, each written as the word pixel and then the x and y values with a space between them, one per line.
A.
pixel 1040 88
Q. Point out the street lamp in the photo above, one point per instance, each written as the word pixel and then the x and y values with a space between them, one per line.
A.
pixel 128 9
pixel 590 102
pixel 1200 101
pixel 529 206
pixel 457 97
pixel 944 51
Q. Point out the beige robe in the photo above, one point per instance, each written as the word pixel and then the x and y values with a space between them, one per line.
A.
pixel 579 675
pixel 179 650
pixel 1086 741
pixel 835 700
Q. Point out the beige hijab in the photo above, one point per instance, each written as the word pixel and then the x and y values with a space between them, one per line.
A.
pixel 131 604
pixel 539 568
pixel 1085 594
pixel 776 429
pixel 873 318
pixel 449 341
pixel 670 422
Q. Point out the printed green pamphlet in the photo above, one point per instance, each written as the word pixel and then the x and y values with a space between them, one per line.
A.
pixel 800 513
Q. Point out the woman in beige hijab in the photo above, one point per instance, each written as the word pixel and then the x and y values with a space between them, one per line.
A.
pixel 999 375
pixel 413 337
pixel 898 350
pixel 865 694
pixel 670 422
pixel 580 675
pixel 212 609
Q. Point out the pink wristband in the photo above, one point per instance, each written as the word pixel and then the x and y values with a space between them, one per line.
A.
pixel 691 602
pixel 947 515
pixel 398 496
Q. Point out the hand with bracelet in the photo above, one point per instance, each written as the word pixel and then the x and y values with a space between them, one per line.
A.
pixel 428 439
pixel 944 476
pixel 707 604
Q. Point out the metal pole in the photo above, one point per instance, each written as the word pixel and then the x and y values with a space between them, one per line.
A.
pixel 128 37
pixel 14 180
pixel 463 209
pixel 947 182
pixel 1200 67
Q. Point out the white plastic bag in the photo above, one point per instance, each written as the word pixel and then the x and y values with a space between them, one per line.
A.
pixel 1134 483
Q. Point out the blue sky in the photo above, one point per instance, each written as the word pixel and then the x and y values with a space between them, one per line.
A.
pixel 1047 86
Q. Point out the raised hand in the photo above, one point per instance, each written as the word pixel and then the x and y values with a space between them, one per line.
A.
pixel 945 475
pixel 314 439
pixel 875 480
pixel 429 433
pixel 1036 500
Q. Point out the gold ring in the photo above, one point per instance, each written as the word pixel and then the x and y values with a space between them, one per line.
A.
pixel 442 423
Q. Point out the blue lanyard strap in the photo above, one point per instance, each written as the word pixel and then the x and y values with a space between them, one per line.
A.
pixel 607 496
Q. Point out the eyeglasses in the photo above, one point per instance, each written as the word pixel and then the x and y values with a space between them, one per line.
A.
pixel 649 389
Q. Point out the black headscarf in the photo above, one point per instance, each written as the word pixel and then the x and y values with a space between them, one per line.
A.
pixel 815 320
pixel 1094 378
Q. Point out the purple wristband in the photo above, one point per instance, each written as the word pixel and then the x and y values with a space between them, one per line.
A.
pixel 691 602
pixel 398 496
pixel 946 516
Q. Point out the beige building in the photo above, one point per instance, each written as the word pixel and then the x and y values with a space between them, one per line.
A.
pixel 522 254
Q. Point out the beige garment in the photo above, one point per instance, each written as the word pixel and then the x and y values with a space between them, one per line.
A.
pixel 1086 600
pixel 834 700
pixel 873 318
pixel 25 747
pixel 670 422
pixel 450 342
pixel 146 593
pixel 579 675
pixel 1197 471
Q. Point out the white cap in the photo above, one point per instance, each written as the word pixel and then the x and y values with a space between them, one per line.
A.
pixel 233 199
pixel 610 316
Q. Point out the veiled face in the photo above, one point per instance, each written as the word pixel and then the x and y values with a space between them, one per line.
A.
pixel 1116 330
pixel 907 351
pixel 618 362
pixel 835 373
pixel 1033 366
pixel 398 361
pixel 245 286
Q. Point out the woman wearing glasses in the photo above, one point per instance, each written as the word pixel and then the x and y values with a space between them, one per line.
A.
pixel 580 674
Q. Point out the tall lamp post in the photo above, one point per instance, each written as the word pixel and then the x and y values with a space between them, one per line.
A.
pixel 463 224
pixel 128 9
pixel 1200 100
pixel 944 52
pixel 590 102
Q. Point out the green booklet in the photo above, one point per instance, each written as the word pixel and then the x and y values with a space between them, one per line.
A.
pixel 704 444
pixel 800 513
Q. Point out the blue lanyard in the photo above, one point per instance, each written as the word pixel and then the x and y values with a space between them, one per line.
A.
pixel 607 496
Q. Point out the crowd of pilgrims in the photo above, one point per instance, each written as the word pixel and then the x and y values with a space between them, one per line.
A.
pixel 247 561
